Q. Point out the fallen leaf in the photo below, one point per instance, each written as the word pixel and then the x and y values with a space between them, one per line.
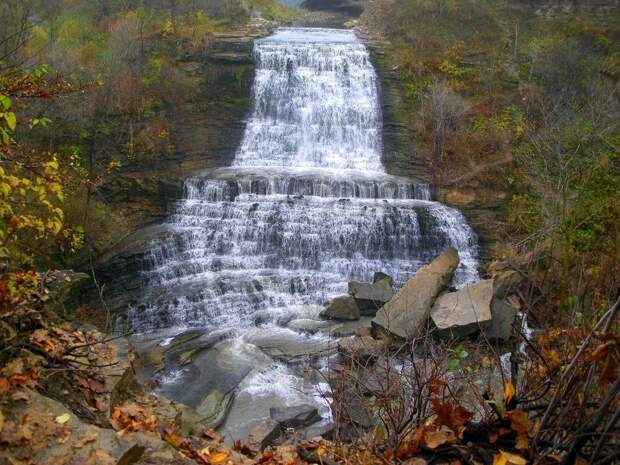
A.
pixel 62 419
pixel 415 461
pixel 218 457
pixel 4 386
pixel 506 458
pixel 1 421
pixel 509 393
pixel 64 435
pixel 87 437
pixel 213 435
pixel 436 438
pixel 20 395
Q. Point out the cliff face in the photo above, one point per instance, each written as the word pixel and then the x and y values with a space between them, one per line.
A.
pixel 206 126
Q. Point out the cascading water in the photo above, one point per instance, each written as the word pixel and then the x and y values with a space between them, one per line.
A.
pixel 305 208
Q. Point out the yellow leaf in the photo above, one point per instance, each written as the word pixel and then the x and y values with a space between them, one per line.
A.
pixel 506 458
pixel 219 457
pixel 509 392
pixel 62 419
pixel 1 422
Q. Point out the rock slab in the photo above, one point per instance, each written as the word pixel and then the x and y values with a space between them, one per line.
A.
pixel 371 297
pixel 407 312
pixel 466 311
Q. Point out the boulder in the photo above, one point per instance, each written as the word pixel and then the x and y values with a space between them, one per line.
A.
pixel 504 314
pixel 380 276
pixel 265 434
pixel 360 348
pixel 342 308
pixel 466 311
pixel 306 325
pixel 371 297
pixel 505 282
pixel 295 417
pixel 280 419
pixel 349 328
pixel 407 312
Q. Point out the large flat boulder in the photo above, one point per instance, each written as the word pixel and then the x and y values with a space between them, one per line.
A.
pixel 466 311
pixel 407 312
pixel 342 308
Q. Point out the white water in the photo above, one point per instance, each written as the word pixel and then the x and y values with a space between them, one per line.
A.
pixel 305 207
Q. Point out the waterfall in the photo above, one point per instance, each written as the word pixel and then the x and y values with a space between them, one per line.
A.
pixel 305 207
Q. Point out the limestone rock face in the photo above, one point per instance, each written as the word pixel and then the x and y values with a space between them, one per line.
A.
pixel 406 313
pixel 342 308
pixel 466 311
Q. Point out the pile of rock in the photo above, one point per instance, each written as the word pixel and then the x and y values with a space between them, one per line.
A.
pixel 487 307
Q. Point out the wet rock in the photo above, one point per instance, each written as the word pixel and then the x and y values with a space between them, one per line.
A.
pixel 371 297
pixel 406 313
pixel 342 308
pixel 360 348
pixel 466 311
pixel 306 325
pixel 214 408
pixel 287 345
pixel 295 417
pixel 504 314
pixel 350 328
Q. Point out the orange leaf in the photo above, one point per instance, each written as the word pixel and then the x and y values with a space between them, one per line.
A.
pixel 213 435
pixel 509 393
pixel 436 438
pixel 219 457
pixel 4 386
pixel 506 458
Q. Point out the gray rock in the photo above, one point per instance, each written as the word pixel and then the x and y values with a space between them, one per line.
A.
pixel 360 348
pixel 349 328
pixel 506 282
pixel 380 276
pixel 287 345
pixel 342 308
pixel 407 312
pixel 504 314
pixel 306 325
pixel 371 297
pixel 281 418
pixel 214 408
pixel 295 417
pixel 265 434
pixel 466 311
